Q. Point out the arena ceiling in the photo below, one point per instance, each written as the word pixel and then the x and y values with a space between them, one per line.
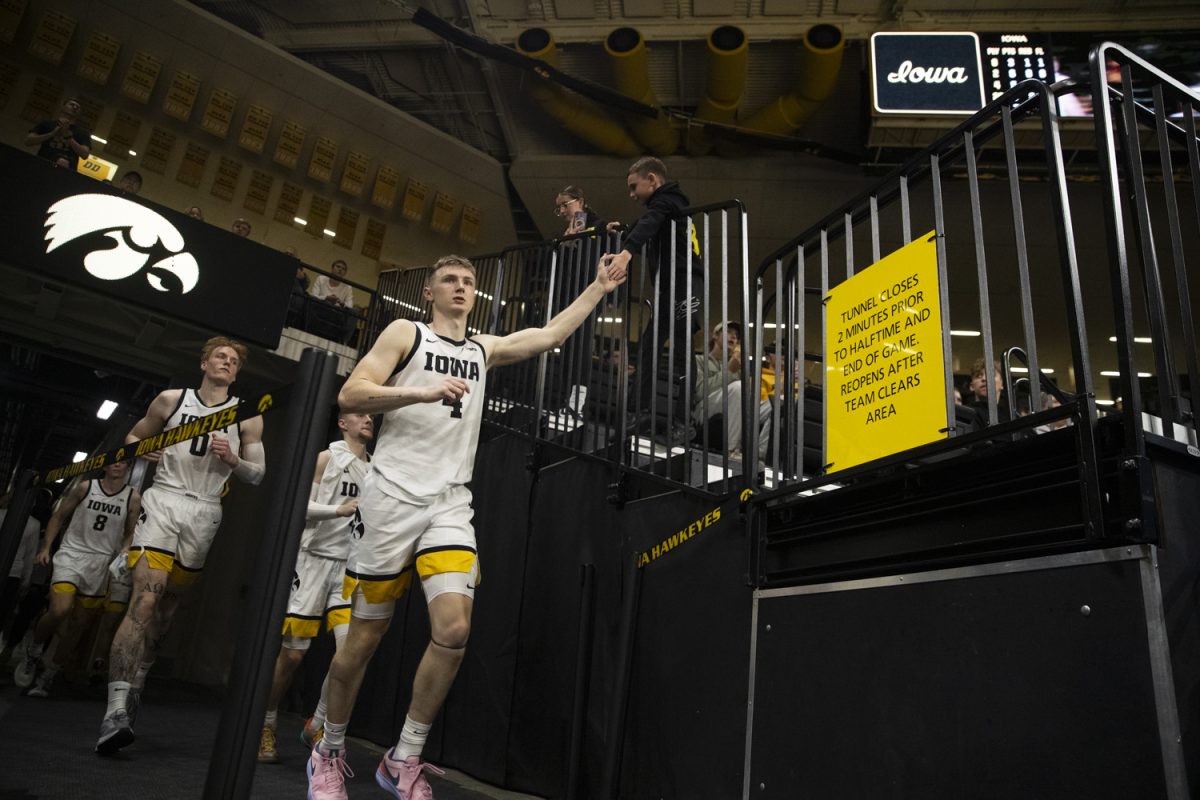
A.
pixel 375 46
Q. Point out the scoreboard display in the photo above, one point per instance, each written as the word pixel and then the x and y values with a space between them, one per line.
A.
pixel 1009 58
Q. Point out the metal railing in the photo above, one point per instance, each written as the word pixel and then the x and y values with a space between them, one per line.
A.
pixel 624 386
pixel 344 325
pixel 792 283
pixel 1141 286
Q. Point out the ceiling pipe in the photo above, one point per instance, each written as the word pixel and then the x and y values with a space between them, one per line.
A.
pixel 578 115
pixel 819 64
pixel 728 51
pixel 627 51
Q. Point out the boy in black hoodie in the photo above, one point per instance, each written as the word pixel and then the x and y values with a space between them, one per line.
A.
pixel 677 310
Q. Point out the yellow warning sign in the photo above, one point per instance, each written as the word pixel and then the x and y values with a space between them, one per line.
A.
pixel 885 375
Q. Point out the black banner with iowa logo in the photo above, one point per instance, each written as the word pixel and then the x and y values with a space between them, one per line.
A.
pixel 248 407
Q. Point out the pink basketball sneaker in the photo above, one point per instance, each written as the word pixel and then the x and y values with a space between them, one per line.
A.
pixel 405 780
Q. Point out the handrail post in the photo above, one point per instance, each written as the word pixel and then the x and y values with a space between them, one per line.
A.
pixel 231 767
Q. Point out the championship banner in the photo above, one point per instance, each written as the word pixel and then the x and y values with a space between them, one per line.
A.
pixel 246 409
pixel 884 370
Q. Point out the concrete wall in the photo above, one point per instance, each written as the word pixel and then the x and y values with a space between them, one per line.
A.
pixel 186 38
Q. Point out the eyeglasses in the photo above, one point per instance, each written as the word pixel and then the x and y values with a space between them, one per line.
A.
pixel 563 204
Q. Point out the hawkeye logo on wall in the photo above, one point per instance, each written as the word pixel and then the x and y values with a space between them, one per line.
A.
pixel 145 242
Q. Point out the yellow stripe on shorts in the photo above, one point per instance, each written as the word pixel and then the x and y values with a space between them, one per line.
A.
pixel 155 559
pixel 90 601
pixel 114 605
pixel 63 587
pixel 337 616
pixel 436 562
pixel 184 576
pixel 377 589
pixel 301 627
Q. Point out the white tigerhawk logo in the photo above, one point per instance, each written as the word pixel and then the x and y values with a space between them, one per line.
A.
pixel 142 238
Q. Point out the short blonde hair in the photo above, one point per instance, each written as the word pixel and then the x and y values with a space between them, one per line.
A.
pixel 212 344
pixel 449 261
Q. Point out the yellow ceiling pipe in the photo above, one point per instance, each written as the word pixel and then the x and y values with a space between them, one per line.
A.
pixel 627 51
pixel 819 64
pixel 728 51
pixel 578 115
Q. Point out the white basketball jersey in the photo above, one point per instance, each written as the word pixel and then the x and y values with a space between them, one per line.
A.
pixel 340 482
pixel 188 466
pixel 425 448
pixel 98 524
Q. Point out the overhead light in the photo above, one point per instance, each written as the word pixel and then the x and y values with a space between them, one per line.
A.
pixel 106 409
pixel 964 333
pixel 132 153
pixel 1106 402
pixel 1108 373
pixel 79 456
pixel 1025 370
pixel 299 221
pixel 774 325
pixel 330 233
pixel 96 138
pixel 610 319
pixel 1138 339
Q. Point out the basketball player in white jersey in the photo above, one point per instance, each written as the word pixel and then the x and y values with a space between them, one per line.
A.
pixel 320 568
pixel 102 515
pixel 180 515
pixel 414 515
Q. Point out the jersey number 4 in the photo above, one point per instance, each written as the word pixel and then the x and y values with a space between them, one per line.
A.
pixel 456 408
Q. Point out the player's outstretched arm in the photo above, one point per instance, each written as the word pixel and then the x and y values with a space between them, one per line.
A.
pixel 531 341
pixel 155 420
pixel 364 391
pixel 62 512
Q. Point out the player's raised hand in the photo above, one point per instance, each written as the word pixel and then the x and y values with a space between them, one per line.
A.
pixel 612 270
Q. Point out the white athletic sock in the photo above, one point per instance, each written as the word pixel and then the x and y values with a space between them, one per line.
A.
pixel 334 738
pixel 318 716
pixel 117 690
pixel 139 677
pixel 271 719
pixel 412 739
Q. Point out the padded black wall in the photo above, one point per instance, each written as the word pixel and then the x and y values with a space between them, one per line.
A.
pixel 508 718
pixel 985 687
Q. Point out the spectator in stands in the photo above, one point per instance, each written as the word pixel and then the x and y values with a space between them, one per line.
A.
pixel 676 313
pixel 1049 401
pixel 718 388
pixel 340 295
pixel 62 140
pixel 131 182
pixel 241 228
pixel 977 391
pixel 195 212
pixel 766 381
pixel 331 289
pixel 571 205
pixel 569 382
